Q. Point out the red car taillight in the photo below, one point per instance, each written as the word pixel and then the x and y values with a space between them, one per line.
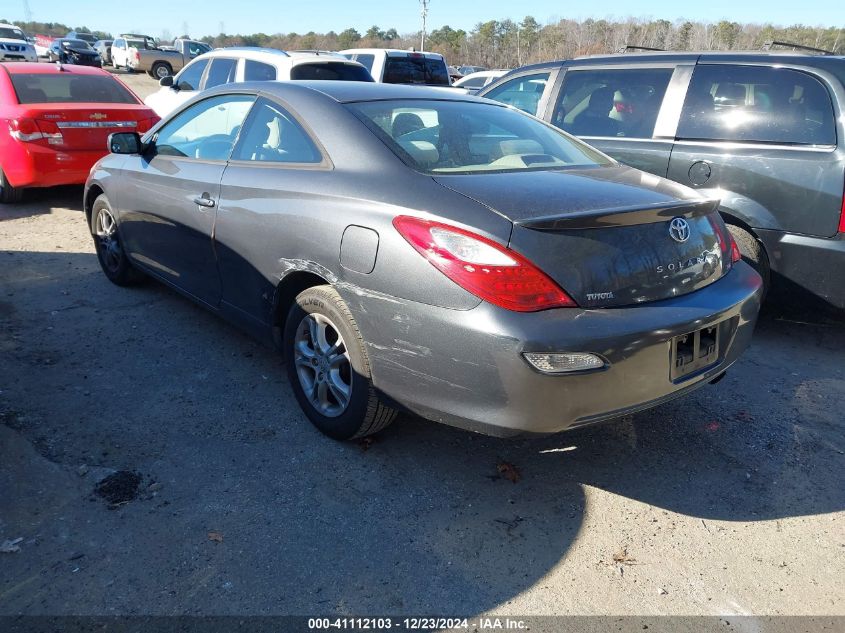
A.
pixel 488 270
pixel 726 239
pixel 145 125
pixel 29 131
pixel 842 216
pixel 735 254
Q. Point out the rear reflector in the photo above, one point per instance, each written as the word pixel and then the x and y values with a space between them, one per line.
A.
pixel 479 265
pixel 735 254
pixel 563 363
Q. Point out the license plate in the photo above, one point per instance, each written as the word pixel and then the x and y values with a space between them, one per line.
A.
pixel 695 352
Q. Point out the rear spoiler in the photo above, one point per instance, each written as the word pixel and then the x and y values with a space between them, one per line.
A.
pixel 620 216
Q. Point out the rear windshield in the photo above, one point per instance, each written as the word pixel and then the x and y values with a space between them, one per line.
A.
pixel 331 71
pixel 11 34
pixel 69 88
pixel 416 70
pixel 470 137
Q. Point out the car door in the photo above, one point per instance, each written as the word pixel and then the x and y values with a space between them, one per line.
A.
pixel 118 55
pixel 763 140
pixel 274 186
pixel 169 195
pixel 618 109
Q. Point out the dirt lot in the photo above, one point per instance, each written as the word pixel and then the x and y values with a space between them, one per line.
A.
pixel 731 501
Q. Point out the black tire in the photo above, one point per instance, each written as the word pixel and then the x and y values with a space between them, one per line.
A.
pixel 109 248
pixel 753 253
pixel 160 70
pixel 365 413
pixel 8 193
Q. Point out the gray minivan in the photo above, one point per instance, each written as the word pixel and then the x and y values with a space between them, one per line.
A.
pixel 763 132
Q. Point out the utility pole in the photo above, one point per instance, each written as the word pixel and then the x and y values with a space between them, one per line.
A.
pixel 424 14
pixel 27 13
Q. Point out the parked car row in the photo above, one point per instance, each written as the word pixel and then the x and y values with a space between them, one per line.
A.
pixel 387 238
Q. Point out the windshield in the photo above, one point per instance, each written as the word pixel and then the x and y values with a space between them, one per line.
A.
pixel 75 43
pixel 11 34
pixel 468 137
pixel 416 70
pixel 69 88
pixel 330 71
pixel 86 37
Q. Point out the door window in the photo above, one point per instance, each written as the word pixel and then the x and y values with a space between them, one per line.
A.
pixel 258 71
pixel 221 71
pixel 189 78
pixel 206 130
pixel 273 135
pixel 522 92
pixel 623 103
pixel 757 104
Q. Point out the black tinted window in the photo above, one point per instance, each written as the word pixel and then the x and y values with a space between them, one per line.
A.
pixel 416 70
pixel 523 92
pixel 331 71
pixel 766 105
pixel 611 102
pixel 189 79
pixel 69 88
pixel 257 71
pixel 222 71
pixel 272 135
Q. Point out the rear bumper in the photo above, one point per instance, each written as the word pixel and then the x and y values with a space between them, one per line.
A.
pixel 465 368
pixel 816 264
pixel 37 166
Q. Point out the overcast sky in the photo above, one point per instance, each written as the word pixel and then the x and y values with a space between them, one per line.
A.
pixel 283 16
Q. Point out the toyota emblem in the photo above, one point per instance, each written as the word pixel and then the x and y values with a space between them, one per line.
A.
pixel 679 230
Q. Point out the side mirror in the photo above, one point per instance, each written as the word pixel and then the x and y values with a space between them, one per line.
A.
pixel 125 143
pixel 166 82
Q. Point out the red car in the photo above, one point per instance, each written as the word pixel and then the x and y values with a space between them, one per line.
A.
pixel 55 122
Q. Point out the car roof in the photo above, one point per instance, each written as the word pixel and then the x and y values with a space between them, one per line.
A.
pixel 44 68
pixel 276 57
pixel 350 91
pixel 392 51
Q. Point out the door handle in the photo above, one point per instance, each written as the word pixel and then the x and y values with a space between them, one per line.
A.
pixel 204 201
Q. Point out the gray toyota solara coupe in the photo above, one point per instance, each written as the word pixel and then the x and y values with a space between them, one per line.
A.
pixel 413 249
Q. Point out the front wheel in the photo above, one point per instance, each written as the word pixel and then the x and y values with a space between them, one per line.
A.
pixel 329 369
pixel 109 247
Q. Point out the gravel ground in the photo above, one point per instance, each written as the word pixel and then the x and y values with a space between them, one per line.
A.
pixel 154 461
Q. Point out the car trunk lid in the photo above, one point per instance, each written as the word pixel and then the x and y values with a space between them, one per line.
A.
pixel 81 126
pixel 610 236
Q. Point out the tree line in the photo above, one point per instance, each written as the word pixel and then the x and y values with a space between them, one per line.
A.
pixel 507 44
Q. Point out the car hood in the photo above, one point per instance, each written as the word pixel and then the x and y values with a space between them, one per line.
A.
pixel 80 51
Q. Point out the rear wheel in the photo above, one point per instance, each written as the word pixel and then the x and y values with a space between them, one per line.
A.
pixel 107 243
pixel 753 253
pixel 160 70
pixel 8 193
pixel 329 369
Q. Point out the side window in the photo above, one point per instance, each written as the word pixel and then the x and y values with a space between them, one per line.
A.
pixel 366 60
pixel 522 92
pixel 207 130
pixel 272 135
pixel 119 43
pixel 622 103
pixel 221 71
pixel 257 71
pixel 189 78
pixel 757 104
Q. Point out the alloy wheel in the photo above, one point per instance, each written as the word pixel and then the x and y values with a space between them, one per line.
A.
pixel 322 365
pixel 110 250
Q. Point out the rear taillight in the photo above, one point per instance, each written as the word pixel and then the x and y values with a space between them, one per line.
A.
pixel 842 216
pixel 29 131
pixel 145 125
pixel 136 54
pixel 735 254
pixel 488 270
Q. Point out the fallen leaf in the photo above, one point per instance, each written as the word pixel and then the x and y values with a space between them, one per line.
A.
pixel 622 557
pixel 509 471
pixel 217 537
